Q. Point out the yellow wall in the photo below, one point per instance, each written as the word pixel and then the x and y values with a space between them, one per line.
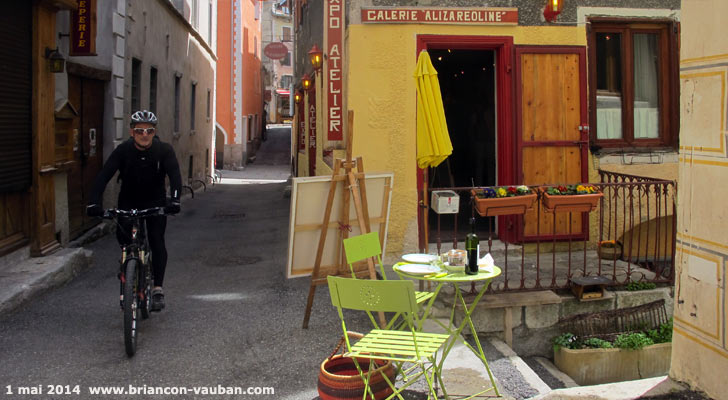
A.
pixel 700 355
pixel 381 92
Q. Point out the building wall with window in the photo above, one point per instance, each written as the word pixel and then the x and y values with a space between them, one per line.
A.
pixel 528 57
pixel 699 350
pixel 278 27
pixel 240 101
pixel 171 42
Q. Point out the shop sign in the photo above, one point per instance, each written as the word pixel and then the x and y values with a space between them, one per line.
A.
pixel 275 51
pixel 334 16
pixel 456 16
pixel 302 133
pixel 312 133
pixel 83 29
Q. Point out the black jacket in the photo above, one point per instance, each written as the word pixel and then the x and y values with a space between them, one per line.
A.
pixel 142 174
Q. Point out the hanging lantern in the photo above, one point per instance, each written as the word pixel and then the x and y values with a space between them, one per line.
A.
pixel 298 96
pixel 306 82
pixel 317 57
pixel 552 10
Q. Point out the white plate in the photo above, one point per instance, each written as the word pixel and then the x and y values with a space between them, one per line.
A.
pixel 419 269
pixel 419 258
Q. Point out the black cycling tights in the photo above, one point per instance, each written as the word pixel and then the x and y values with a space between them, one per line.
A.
pixel 155 229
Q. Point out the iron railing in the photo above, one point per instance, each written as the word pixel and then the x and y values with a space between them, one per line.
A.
pixel 636 213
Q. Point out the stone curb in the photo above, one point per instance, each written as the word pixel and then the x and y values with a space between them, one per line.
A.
pixel 32 277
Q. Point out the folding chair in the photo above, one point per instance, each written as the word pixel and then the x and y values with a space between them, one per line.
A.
pixel 418 348
pixel 365 246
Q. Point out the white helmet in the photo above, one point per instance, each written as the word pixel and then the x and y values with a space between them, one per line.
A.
pixel 143 116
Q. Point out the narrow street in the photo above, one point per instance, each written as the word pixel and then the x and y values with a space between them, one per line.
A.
pixel 232 319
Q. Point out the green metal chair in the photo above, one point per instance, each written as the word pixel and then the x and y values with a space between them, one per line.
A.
pixel 418 348
pixel 365 246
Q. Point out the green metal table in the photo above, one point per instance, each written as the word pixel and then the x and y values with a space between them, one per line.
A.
pixel 456 278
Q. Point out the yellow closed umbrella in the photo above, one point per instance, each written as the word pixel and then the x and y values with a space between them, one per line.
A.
pixel 433 139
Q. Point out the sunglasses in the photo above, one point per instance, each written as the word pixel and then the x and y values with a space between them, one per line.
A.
pixel 141 131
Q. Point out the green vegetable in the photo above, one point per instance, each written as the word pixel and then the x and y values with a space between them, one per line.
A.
pixel 663 333
pixel 596 343
pixel 633 341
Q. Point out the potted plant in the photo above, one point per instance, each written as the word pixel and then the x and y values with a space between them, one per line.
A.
pixel 609 249
pixel 635 355
pixel 571 198
pixel 504 200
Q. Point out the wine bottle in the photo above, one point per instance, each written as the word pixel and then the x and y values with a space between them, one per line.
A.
pixel 472 246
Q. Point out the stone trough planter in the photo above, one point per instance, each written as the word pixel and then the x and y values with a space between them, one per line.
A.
pixel 597 366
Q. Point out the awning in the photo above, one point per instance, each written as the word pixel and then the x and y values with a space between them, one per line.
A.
pixel 283 92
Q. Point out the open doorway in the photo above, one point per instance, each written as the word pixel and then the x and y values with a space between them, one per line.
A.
pixel 468 86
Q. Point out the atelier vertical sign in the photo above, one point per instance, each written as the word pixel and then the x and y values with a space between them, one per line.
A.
pixel 83 29
pixel 334 17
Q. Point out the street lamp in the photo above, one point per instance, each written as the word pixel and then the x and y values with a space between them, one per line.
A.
pixel 55 59
pixel 306 82
pixel 298 97
pixel 552 10
pixel 317 57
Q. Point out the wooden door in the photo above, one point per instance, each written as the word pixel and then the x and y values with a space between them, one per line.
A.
pixel 551 102
pixel 87 96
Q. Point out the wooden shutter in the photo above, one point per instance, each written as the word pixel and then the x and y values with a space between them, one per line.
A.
pixel 15 96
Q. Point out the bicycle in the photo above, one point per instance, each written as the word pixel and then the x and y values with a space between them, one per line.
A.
pixel 135 272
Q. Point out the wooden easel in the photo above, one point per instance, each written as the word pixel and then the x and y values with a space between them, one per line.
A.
pixel 343 171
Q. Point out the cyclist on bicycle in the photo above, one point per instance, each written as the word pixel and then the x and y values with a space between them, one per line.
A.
pixel 142 162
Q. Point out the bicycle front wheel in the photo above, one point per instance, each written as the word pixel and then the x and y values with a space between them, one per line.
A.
pixel 130 306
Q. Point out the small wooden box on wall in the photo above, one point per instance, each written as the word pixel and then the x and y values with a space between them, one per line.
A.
pixel 65 135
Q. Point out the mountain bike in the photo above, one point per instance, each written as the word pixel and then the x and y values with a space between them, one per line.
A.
pixel 135 271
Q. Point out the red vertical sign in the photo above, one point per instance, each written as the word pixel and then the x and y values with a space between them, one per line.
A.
pixel 334 50
pixel 311 132
pixel 83 29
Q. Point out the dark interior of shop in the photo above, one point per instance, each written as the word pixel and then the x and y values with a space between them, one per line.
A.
pixel 467 84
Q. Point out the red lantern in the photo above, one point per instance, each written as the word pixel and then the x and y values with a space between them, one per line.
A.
pixel 552 10
pixel 316 57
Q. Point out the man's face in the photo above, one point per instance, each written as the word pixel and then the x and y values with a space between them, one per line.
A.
pixel 143 133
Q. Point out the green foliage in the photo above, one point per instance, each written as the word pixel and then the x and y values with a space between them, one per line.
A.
pixel 633 341
pixel 568 340
pixel 596 343
pixel 663 333
pixel 633 286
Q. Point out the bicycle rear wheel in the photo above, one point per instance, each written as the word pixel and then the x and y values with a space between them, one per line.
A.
pixel 130 306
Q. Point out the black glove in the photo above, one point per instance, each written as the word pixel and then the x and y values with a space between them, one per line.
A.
pixel 172 208
pixel 94 210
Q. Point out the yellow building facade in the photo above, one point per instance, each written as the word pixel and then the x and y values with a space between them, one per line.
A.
pixel 700 353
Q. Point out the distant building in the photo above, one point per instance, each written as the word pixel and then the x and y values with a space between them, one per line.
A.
pixel 278 28
pixel 239 83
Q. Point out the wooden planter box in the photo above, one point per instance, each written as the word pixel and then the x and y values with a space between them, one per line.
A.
pixel 503 205
pixel 597 366
pixel 571 203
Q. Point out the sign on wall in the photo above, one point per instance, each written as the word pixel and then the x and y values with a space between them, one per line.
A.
pixel 83 29
pixel 418 15
pixel 334 17
pixel 275 50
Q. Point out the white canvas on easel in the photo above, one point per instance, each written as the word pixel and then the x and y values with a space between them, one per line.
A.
pixel 308 202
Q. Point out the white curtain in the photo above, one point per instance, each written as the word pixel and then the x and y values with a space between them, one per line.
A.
pixel 609 117
pixel 646 103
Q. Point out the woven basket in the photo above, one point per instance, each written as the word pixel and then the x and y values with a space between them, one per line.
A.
pixel 339 379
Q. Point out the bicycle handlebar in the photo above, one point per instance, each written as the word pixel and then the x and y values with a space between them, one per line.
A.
pixel 110 213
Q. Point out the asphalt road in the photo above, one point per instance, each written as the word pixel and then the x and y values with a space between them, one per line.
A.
pixel 232 318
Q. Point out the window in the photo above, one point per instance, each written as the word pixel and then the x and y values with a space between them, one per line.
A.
pixel 286 34
pixel 195 17
pixel 193 94
pixel 286 61
pixel 153 90
pixel 634 87
pixel 136 88
pixel 208 104
pixel 209 24
pixel 177 79
pixel 286 81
